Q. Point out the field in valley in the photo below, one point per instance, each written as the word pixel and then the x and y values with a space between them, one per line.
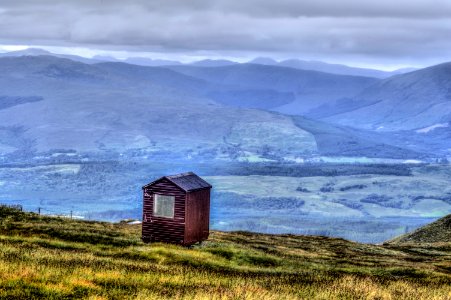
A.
pixel 366 208
pixel 365 203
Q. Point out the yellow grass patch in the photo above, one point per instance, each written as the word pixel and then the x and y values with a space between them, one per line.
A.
pixel 108 261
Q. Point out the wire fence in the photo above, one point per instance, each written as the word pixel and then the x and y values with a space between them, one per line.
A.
pixel 13 206
pixel 46 212
pixel 74 213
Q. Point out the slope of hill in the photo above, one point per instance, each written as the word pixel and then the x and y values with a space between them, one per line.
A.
pixel 310 88
pixel 437 232
pixel 409 101
pixel 333 140
pixel 45 257
pixel 230 95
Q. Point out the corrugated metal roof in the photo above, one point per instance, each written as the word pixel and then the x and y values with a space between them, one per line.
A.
pixel 186 181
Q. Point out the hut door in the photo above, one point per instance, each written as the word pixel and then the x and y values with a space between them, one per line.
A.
pixel 194 210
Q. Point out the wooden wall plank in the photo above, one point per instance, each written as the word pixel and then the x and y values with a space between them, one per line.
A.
pixel 160 228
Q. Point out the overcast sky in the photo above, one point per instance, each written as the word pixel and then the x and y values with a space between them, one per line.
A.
pixel 381 33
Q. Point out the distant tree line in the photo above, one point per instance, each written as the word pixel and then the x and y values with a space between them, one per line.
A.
pixel 317 169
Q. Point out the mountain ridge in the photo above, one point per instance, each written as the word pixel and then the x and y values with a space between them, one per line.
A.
pixel 332 68
pixel 312 65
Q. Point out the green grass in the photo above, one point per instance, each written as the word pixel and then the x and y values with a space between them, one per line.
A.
pixel 55 258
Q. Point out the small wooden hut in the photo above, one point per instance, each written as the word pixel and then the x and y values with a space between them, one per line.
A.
pixel 176 209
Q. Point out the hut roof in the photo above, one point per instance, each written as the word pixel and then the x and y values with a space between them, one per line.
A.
pixel 186 181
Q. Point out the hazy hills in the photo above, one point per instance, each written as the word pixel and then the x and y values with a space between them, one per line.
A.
pixel 42 52
pixel 291 63
pixel 409 101
pixel 110 107
pixel 213 63
pixel 310 89
pixel 50 102
pixel 328 67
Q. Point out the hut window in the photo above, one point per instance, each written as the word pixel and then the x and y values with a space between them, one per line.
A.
pixel 163 206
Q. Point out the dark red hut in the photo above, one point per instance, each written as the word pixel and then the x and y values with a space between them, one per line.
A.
pixel 176 209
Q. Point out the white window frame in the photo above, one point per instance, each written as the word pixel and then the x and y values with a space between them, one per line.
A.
pixel 155 208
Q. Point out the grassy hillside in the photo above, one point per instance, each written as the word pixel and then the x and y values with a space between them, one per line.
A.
pixel 437 232
pixel 60 258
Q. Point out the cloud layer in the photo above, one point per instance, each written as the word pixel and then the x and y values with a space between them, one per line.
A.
pixel 380 30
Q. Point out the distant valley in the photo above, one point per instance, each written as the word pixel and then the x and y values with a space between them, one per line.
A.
pixel 357 151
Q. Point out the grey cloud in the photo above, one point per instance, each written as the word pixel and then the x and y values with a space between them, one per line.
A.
pixel 289 8
pixel 380 29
